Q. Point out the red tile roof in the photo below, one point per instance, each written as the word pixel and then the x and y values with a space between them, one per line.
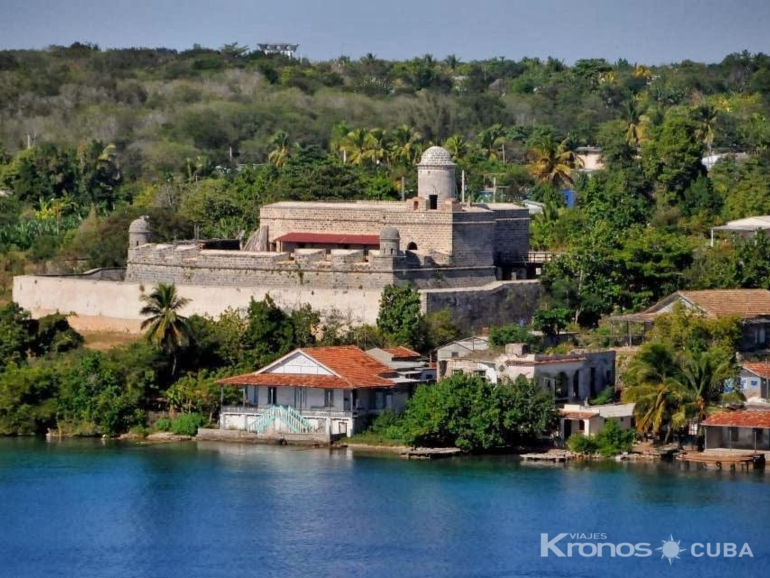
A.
pixel 330 239
pixel 759 418
pixel 352 367
pixel 744 303
pixel 760 368
pixel 402 352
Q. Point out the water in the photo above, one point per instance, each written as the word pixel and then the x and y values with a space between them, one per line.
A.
pixel 85 509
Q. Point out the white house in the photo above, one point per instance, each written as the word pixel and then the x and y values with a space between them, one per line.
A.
pixel 590 420
pixel 317 392
pixel 576 376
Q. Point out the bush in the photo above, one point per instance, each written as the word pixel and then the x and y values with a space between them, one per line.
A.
pixel 605 396
pixel 163 424
pixel 188 424
pixel 581 444
pixel 612 440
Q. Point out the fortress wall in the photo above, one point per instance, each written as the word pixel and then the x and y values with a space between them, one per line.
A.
pixel 445 278
pixel 114 306
pixel 472 239
pixel 511 238
pixel 427 229
pixel 494 304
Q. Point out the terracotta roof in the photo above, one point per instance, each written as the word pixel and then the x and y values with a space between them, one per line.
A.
pixel 744 303
pixel 352 367
pixel 402 352
pixel 578 414
pixel 330 239
pixel 759 418
pixel 760 368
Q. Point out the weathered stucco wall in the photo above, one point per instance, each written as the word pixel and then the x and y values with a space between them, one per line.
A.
pixel 114 306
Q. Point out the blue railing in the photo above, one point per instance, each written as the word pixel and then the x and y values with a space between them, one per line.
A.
pixel 286 414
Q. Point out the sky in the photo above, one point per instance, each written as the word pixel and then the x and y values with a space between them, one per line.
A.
pixel 643 31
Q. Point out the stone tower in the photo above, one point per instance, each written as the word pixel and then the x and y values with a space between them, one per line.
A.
pixel 139 232
pixel 436 176
pixel 390 241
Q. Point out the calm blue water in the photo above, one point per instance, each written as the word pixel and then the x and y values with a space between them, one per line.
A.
pixel 88 509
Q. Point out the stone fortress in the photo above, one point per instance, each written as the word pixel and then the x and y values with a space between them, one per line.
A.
pixel 335 256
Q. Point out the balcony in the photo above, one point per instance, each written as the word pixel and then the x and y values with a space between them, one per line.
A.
pixel 305 412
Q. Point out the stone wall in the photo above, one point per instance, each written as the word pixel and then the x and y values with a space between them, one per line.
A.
pixel 114 306
pixel 494 304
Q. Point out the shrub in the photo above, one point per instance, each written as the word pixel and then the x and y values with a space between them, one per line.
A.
pixel 614 440
pixel 163 424
pixel 581 444
pixel 605 396
pixel 188 424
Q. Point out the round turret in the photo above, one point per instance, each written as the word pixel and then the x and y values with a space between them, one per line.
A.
pixel 390 241
pixel 436 176
pixel 139 232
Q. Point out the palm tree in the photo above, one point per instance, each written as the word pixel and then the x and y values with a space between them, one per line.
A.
pixel 492 140
pixel 167 329
pixel 704 377
pixel 705 115
pixel 458 146
pixel 552 163
pixel 405 145
pixel 377 146
pixel 658 407
pixel 355 145
pixel 280 154
pixel 337 140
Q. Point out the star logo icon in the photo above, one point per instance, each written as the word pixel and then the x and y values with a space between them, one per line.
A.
pixel 670 549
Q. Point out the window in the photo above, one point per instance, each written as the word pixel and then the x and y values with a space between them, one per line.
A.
pixel 758 435
pixel 433 200
pixel 455 354
pixel 379 400
pixel 328 398
pixel 272 395
pixel 480 373
pixel 733 434
pixel 581 425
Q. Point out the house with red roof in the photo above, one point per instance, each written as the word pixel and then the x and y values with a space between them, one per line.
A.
pixel 739 429
pixel 751 307
pixel 318 391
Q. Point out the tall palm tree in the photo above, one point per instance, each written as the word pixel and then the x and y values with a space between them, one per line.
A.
pixel 553 163
pixel 280 154
pixel 377 146
pixel 168 330
pixel 405 145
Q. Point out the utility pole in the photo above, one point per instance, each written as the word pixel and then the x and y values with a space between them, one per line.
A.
pixel 462 186
pixel 403 188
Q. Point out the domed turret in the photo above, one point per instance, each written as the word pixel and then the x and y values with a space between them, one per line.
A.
pixel 390 241
pixel 436 176
pixel 139 232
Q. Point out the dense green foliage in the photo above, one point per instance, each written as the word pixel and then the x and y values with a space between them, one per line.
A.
pixel 610 441
pixel 474 415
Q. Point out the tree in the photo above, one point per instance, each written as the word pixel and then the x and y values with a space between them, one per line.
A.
pixel 552 163
pixel 166 328
pixel 399 317
pixel 473 414
pixel 282 148
pixel 269 332
pixel 405 145
pixel 551 321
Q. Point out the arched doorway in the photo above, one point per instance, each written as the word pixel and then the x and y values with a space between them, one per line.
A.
pixel 412 246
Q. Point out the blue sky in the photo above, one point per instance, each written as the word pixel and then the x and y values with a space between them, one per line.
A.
pixel 649 31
